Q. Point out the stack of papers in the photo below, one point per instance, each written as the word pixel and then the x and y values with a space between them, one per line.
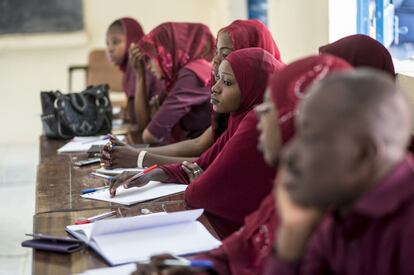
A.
pixel 82 144
pixel 153 190
pixel 136 239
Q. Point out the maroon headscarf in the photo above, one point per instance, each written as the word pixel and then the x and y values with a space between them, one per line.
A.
pixel 246 250
pixel 244 34
pixel 179 45
pixel 235 177
pixel 361 51
pixel 251 33
pixel 133 32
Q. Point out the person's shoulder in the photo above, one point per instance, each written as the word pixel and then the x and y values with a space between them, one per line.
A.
pixel 248 125
pixel 183 72
pixel 189 80
pixel 250 119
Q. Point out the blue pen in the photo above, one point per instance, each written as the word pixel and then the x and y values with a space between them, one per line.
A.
pixel 91 190
pixel 189 263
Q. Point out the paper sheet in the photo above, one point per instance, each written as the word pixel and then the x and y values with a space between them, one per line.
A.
pixel 132 239
pixel 82 144
pixel 152 190
pixel 140 245
pixel 126 269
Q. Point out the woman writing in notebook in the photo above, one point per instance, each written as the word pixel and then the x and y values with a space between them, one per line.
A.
pixel 246 251
pixel 235 177
pixel 238 35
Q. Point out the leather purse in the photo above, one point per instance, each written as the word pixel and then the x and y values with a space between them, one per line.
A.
pixel 87 113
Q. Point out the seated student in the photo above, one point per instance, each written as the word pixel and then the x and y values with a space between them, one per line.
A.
pixel 349 157
pixel 121 35
pixel 236 178
pixel 245 251
pixel 238 35
pixel 180 54
pixel 361 51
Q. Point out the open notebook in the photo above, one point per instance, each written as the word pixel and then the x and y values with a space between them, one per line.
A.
pixel 153 190
pixel 82 144
pixel 136 239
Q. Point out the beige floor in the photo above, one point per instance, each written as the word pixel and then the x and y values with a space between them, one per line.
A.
pixel 17 190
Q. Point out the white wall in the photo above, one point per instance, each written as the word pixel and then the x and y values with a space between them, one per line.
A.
pixel 342 18
pixel 299 26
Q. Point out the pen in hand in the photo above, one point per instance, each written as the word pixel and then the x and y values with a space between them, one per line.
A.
pixel 118 181
pixel 146 171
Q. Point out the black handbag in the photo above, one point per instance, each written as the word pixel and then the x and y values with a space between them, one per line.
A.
pixel 87 113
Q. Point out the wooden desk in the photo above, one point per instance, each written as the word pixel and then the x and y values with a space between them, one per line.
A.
pixel 58 204
pixel 59 182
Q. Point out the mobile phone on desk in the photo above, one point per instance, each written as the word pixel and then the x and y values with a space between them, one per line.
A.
pixel 80 163
pixel 94 150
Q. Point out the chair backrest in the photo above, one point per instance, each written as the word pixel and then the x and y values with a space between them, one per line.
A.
pixel 100 70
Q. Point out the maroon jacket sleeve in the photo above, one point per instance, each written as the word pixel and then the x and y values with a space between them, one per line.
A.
pixel 238 177
pixel 185 93
pixel 176 174
pixel 313 261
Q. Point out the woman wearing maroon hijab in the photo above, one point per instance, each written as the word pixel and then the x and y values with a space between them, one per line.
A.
pixel 121 34
pixel 361 51
pixel 180 54
pixel 246 251
pixel 236 178
pixel 239 34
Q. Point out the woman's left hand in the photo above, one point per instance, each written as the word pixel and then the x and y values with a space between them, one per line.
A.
pixel 192 169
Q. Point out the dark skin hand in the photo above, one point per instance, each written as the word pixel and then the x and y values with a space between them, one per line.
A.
pixel 192 169
pixel 117 154
pixel 124 180
pixel 155 267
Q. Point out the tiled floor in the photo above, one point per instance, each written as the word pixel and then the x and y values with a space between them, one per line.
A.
pixel 17 190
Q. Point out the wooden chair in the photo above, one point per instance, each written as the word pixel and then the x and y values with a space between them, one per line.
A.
pixel 100 71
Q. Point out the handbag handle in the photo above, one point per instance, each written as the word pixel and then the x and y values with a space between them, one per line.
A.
pixel 78 102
